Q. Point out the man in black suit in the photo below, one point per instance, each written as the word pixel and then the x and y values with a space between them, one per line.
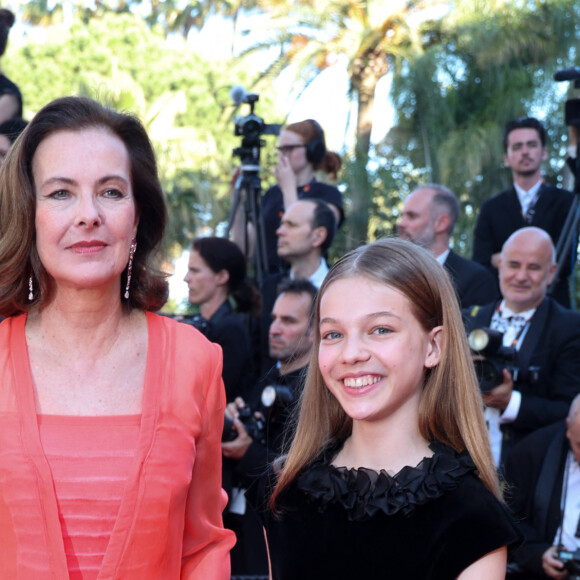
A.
pixel 543 470
pixel 545 335
pixel 428 219
pixel 530 201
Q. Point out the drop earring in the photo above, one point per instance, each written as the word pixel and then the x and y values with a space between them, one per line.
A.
pixel 130 267
pixel 30 290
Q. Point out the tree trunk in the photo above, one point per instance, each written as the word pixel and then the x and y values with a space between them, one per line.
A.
pixel 367 72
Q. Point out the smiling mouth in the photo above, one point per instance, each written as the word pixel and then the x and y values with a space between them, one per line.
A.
pixel 359 382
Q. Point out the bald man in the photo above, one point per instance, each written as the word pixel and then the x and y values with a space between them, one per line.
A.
pixel 428 219
pixel 545 335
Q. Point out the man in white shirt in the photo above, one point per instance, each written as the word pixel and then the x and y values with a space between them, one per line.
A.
pixel 545 336
pixel 306 232
pixel 543 475
pixel 530 201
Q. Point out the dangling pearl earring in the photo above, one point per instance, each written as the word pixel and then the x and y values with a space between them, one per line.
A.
pixel 130 267
pixel 30 290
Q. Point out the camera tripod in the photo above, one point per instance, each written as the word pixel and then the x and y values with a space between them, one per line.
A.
pixel 569 234
pixel 248 191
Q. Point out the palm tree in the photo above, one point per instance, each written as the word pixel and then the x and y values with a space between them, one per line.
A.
pixel 373 35
pixel 487 63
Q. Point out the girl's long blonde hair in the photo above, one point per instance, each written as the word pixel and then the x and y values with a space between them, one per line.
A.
pixel 451 409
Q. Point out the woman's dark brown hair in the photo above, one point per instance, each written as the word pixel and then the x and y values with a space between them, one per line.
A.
pixel 222 254
pixel 18 255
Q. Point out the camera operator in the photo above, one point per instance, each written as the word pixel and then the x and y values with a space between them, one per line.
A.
pixel 545 336
pixel 543 474
pixel 290 342
pixel 302 152
pixel 530 202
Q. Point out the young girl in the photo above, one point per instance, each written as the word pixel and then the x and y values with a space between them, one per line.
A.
pixel 390 473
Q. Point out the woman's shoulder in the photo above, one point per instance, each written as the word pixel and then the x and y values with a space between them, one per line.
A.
pixel 182 338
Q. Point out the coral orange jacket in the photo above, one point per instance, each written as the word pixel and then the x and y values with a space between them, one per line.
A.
pixel 169 524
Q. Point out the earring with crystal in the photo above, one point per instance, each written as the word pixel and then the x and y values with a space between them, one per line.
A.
pixel 130 267
pixel 30 290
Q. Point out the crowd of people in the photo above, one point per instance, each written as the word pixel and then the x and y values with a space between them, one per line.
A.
pixel 404 412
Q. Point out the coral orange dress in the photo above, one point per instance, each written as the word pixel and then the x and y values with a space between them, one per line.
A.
pixel 168 524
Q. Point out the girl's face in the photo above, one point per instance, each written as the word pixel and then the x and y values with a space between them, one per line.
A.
pixel 373 350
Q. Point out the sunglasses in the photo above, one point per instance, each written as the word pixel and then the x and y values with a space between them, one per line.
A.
pixel 286 149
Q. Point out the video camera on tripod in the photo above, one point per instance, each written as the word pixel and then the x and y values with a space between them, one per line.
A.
pixel 250 128
pixel 248 185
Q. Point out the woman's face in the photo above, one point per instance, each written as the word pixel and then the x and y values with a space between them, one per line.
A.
pixel 373 351
pixel 86 216
pixel 202 281
pixel 291 146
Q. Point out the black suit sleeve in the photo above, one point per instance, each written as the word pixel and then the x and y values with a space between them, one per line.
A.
pixel 483 236
pixel 557 354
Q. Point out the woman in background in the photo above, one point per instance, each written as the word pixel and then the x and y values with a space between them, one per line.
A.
pixel 111 415
pixel 10 96
pixel 216 273
pixel 390 473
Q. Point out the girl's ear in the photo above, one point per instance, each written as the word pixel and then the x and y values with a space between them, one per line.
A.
pixel 433 355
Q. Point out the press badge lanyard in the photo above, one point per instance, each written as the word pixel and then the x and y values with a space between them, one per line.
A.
pixel 521 331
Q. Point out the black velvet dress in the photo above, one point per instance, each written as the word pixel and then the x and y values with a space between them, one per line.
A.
pixel 427 522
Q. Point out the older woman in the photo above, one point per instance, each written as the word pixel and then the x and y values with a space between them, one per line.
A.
pixel 111 415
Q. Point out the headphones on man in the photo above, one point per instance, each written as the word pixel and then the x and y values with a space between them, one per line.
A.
pixel 316 147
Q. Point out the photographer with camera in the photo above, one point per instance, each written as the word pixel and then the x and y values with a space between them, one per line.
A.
pixel 290 343
pixel 544 335
pixel 543 475
pixel 302 152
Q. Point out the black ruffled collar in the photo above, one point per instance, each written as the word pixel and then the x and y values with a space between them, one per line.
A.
pixel 364 492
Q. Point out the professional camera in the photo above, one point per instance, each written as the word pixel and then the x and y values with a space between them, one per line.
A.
pixel 571 561
pixel 276 400
pixel 494 357
pixel 250 128
pixel 195 320
pixel 254 426
pixel 572 108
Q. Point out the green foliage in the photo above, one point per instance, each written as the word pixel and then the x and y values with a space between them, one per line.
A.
pixel 182 98
pixel 483 65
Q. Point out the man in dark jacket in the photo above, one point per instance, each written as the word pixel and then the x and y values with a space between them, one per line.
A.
pixel 543 477
pixel 530 201
pixel 544 335
pixel 428 219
